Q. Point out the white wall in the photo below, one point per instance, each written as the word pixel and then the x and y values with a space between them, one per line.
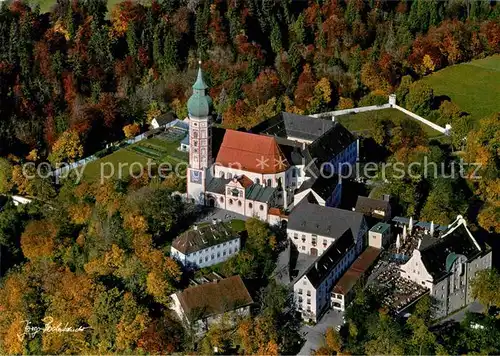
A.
pixel 415 271
pixel 321 297
pixel 351 111
pixel 209 256
pixel 299 196
pixel 305 246
pixel 421 119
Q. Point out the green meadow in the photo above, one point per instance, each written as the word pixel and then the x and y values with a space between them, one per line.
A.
pixel 473 86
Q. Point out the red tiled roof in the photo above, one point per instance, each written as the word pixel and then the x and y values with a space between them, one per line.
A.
pixel 275 211
pixel 356 271
pixel 251 152
pixel 245 181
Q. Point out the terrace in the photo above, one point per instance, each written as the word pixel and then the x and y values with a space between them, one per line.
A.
pixel 398 292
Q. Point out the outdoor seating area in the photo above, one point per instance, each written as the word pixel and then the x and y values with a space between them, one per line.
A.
pixel 398 291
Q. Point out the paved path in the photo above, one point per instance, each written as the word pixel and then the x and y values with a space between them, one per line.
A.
pixel 474 307
pixel 314 335
pixel 282 271
pixel 206 215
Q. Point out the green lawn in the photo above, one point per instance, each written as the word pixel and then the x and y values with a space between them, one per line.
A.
pixel 473 86
pixel 130 159
pixel 360 122
pixel 238 225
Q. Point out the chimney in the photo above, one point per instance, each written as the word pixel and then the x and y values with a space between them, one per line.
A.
pixel 333 118
pixel 214 221
pixel 419 243
pixel 195 227
pixel 386 197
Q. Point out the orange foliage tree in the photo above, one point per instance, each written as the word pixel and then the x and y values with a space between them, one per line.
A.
pixel 38 239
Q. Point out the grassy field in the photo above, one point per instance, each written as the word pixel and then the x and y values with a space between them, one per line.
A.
pixel 473 86
pixel 120 162
pixel 360 122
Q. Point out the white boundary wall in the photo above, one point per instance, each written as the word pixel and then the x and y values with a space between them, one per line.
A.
pixel 352 111
pixel 424 121
pixel 390 105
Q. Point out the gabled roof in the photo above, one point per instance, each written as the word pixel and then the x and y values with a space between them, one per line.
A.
pixel 204 236
pixel 259 193
pixel 214 298
pixel 164 119
pixel 324 221
pixel 217 185
pixel 294 126
pixel 322 186
pixel 185 140
pixel 245 181
pixel 253 153
pixel 318 270
pixel 368 205
pixel 357 270
pixel 326 147
pixel 456 241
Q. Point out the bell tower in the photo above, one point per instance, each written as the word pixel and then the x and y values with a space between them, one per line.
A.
pixel 200 139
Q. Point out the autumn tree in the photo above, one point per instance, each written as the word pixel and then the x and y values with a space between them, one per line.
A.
pixel 305 88
pixel 67 148
pixel 420 98
pixel 5 176
pixel 39 239
pixel 332 344
pixel 131 130
pixel 265 87
pixel 485 288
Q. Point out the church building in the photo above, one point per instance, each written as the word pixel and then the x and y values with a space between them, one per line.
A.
pixel 260 173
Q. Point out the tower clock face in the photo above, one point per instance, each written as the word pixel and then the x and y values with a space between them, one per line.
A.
pixel 196 176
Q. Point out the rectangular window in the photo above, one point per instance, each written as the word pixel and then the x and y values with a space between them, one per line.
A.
pixel 295 235
pixel 224 253
pixel 218 254
pixel 308 300
pixel 300 290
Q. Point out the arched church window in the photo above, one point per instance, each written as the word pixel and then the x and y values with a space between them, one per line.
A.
pixel 257 181
pixel 195 134
pixel 230 201
pixel 221 174
pixel 269 182
pixel 221 199
pixel 229 175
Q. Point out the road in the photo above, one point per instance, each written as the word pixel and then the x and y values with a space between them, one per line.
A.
pixel 314 335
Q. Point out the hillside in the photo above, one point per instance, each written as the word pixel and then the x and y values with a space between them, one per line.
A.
pixel 473 86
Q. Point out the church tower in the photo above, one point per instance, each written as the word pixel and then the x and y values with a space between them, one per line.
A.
pixel 200 140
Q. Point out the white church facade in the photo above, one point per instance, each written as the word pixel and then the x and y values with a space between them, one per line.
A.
pixel 260 173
